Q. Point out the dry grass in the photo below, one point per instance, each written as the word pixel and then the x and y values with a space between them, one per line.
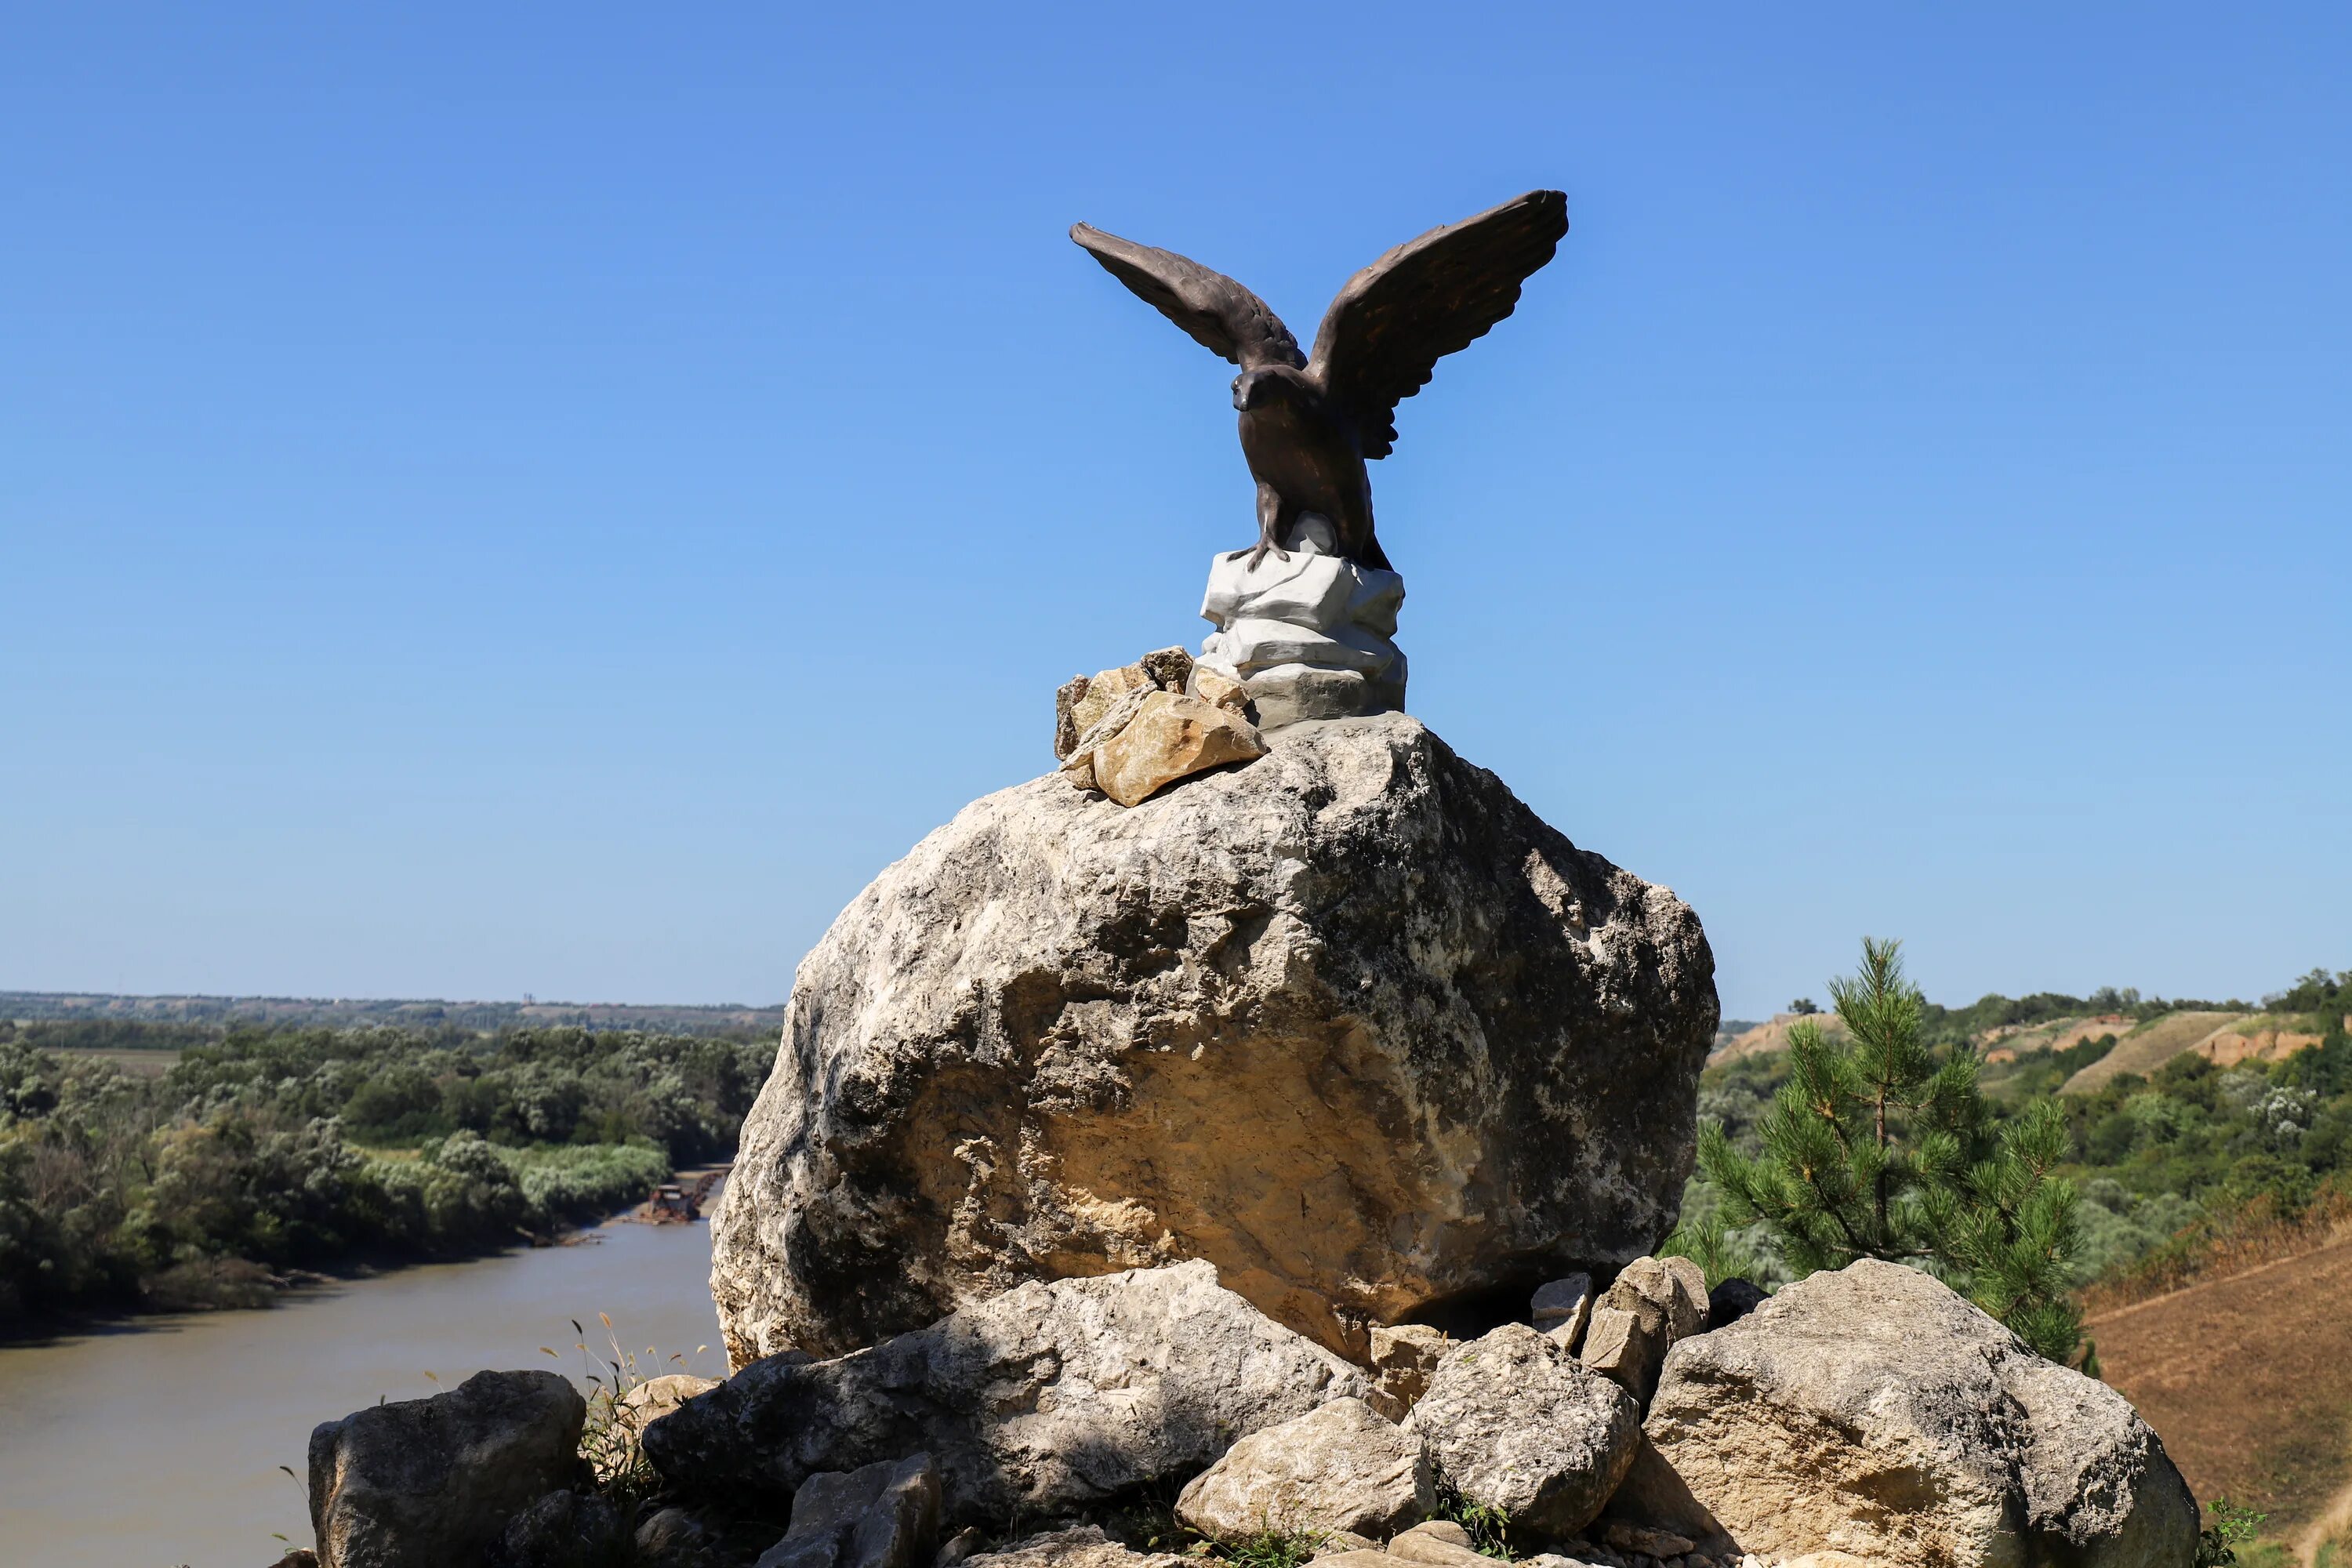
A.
pixel 2150 1047
pixel 2247 1379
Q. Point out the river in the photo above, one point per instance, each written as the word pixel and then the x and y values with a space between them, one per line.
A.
pixel 158 1443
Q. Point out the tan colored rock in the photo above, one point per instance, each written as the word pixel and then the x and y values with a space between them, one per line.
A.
pixel 1341 1466
pixel 1649 1306
pixel 1171 736
pixel 1440 1542
pixel 1871 1410
pixel 1102 692
pixel 1404 1357
pixel 1338 1543
pixel 1645 1538
pixel 657 1397
pixel 1219 689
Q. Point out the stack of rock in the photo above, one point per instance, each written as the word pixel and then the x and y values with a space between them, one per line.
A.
pixel 1130 732
pixel 1306 630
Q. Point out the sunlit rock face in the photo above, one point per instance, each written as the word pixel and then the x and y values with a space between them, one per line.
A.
pixel 1350 1023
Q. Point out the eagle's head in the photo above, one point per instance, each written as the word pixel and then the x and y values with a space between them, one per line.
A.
pixel 1264 386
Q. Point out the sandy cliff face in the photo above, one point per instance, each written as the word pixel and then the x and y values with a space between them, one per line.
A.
pixel 1350 1022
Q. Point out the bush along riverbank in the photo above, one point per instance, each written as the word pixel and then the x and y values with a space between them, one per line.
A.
pixel 266 1153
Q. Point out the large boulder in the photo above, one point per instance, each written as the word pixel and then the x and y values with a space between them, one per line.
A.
pixel 1513 1420
pixel 1872 1411
pixel 1351 1023
pixel 1046 1401
pixel 424 1483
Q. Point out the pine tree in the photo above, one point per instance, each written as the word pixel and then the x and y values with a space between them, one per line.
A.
pixel 1874 1148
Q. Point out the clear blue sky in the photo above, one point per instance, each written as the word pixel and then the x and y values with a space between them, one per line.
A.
pixel 552 499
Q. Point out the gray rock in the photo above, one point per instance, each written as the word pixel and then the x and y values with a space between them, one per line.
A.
pixel 424 1483
pixel 1732 1301
pixel 1513 1420
pixel 1046 1400
pixel 1086 1548
pixel 1350 1022
pixel 1342 1466
pixel 1871 1411
pixel 1561 1308
pixel 564 1529
pixel 883 1515
pixel 1402 1359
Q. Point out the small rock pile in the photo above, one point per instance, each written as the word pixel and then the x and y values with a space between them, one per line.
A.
pixel 1304 630
pixel 1132 732
pixel 1864 1418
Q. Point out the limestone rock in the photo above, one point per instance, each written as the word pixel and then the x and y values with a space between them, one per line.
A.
pixel 1650 1305
pixel 1560 1308
pixel 1087 1548
pixel 1220 690
pixel 1048 1399
pixel 1294 693
pixel 883 1515
pixel 1872 1411
pixel 1513 1421
pixel 1404 1357
pixel 657 1397
pixel 1351 1023
pixel 1440 1543
pixel 565 1529
pixel 1169 737
pixel 1340 1467
pixel 427 1482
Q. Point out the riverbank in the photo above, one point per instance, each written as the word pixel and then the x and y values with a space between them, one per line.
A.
pixel 201 1409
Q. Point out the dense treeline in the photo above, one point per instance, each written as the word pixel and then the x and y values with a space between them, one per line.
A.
pixel 2162 1163
pixel 266 1151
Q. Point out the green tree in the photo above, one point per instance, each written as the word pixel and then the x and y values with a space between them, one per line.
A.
pixel 1879 1147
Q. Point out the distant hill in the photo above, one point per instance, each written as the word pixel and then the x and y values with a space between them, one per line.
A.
pixel 338 1012
pixel 1755 1039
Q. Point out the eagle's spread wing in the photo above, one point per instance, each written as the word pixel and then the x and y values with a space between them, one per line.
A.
pixel 1385 334
pixel 1221 315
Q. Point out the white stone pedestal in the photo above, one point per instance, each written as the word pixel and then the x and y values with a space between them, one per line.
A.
pixel 1307 634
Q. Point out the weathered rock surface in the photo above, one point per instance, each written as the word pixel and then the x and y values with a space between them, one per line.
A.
pixel 673 1538
pixel 1342 1466
pixel 1560 1307
pixel 1651 1303
pixel 1086 1548
pixel 883 1515
pixel 1403 1358
pixel 1170 736
pixel 1872 1411
pixel 564 1529
pixel 1350 1022
pixel 1513 1420
pixel 427 1482
pixel 1046 1400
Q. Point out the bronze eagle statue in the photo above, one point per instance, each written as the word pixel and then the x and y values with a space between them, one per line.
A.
pixel 1308 423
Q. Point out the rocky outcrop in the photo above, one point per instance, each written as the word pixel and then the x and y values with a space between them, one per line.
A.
pixel 1513 1420
pixel 1872 1411
pixel 1342 1466
pixel 1350 1023
pixel 1048 1400
pixel 424 1483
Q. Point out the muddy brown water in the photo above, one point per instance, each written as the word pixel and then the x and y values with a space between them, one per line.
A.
pixel 158 1443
